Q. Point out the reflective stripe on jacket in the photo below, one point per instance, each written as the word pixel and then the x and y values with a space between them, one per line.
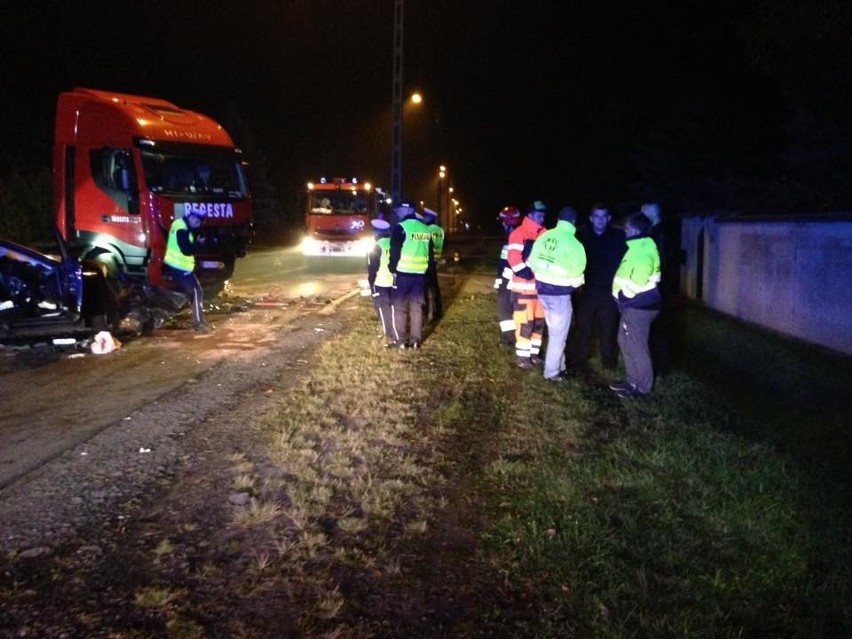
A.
pixel 174 257
pixel 437 240
pixel 503 268
pixel 520 244
pixel 558 259
pixel 638 276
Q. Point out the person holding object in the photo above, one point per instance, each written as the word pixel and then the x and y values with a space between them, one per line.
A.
pixel 179 264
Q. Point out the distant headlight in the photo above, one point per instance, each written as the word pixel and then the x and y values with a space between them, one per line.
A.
pixel 310 246
pixel 364 246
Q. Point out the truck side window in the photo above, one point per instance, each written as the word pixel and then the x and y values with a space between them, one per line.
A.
pixel 113 173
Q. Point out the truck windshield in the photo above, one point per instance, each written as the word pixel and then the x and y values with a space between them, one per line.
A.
pixel 192 168
pixel 338 203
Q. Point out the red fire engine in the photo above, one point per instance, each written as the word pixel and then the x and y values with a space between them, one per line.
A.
pixel 337 217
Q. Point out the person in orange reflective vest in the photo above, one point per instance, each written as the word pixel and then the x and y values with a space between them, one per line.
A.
pixel 527 310
pixel 510 218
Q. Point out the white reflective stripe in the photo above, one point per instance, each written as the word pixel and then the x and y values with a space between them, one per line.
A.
pixel 519 267
pixel 550 278
pixel 516 247
pixel 507 325
pixel 632 289
pixel 507 272
pixel 525 286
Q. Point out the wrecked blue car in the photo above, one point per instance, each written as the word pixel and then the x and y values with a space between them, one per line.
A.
pixel 57 296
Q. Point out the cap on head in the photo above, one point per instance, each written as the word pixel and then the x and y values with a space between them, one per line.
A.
pixel 380 225
pixel 404 208
pixel 538 205
pixel 198 212
pixel 429 214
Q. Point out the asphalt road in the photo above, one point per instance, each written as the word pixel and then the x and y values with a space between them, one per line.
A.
pixel 51 400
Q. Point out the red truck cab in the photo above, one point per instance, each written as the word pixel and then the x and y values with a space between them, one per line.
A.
pixel 126 166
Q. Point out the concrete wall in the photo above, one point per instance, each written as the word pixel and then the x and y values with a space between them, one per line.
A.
pixel 790 274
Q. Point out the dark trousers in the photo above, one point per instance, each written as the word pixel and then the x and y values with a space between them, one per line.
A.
pixel 384 310
pixel 433 303
pixel 407 299
pixel 595 308
pixel 635 326
pixel 188 284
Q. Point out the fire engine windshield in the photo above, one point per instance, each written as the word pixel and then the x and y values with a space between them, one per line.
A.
pixel 338 203
pixel 191 168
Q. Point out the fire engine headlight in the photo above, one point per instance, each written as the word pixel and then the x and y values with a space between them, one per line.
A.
pixel 364 245
pixel 310 246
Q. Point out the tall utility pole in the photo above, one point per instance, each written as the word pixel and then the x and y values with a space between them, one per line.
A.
pixel 396 138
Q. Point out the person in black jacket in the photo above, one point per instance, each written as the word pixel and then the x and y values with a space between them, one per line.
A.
pixel 660 329
pixel 596 308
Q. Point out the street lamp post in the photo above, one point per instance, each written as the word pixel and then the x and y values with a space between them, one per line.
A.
pixel 396 134
pixel 442 209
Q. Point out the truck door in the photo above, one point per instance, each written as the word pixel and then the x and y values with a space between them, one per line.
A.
pixel 114 174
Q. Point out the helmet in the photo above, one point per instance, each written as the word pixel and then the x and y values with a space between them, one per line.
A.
pixel 510 215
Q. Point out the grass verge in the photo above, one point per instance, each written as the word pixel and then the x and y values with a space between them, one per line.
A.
pixel 414 478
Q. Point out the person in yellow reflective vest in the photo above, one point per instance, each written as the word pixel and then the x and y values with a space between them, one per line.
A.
pixel 558 261
pixel 434 302
pixel 412 253
pixel 179 264
pixel 380 278
pixel 636 289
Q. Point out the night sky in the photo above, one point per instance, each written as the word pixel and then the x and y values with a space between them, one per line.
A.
pixel 694 104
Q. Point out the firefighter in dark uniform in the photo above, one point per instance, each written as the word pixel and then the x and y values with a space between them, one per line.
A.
pixel 179 264
pixel 411 256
